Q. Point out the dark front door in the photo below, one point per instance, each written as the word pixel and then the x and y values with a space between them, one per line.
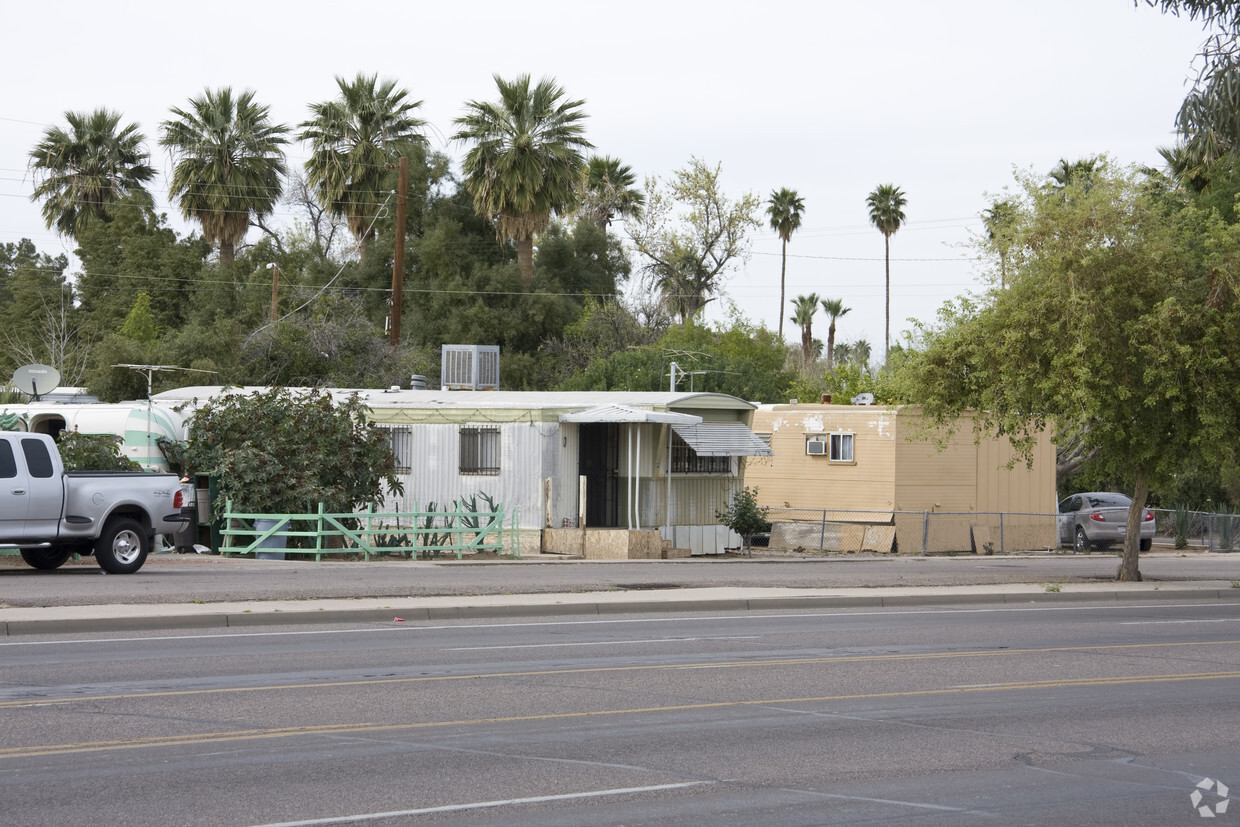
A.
pixel 598 460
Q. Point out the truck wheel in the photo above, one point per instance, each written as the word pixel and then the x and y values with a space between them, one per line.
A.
pixel 46 558
pixel 122 547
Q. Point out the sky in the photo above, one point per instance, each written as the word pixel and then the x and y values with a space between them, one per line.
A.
pixel 944 99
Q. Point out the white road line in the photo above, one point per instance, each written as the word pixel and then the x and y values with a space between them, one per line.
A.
pixel 456 808
pixel 516 623
pixel 594 643
pixel 1165 622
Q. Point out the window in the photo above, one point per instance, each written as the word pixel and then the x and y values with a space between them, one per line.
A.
pixel 400 438
pixel 38 461
pixel 842 448
pixel 479 450
pixel 8 464
pixel 686 461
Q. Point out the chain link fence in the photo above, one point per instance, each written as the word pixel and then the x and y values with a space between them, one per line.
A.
pixel 939 532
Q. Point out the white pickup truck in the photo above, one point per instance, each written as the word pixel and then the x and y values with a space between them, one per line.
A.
pixel 50 514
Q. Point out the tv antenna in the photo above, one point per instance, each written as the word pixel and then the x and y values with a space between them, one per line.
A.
pixel 150 370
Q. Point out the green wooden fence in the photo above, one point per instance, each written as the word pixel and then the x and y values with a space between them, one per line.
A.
pixel 434 532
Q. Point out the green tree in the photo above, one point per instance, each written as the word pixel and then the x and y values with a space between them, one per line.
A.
pixel 1118 326
pixel 355 141
pixel 139 325
pixel 525 162
pixel 886 204
pixel 83 173
pixel 284 452
pixel 999 219
pixel 39 322
pixel 803 310
pixel 834 308
pixel 744 516
pixel 610 190
pixel 228 164
pixel 785 208
pixel 691 234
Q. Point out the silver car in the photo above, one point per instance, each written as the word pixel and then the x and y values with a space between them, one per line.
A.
pixel 1099 520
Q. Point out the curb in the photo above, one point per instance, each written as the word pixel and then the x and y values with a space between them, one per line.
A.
pixel 241 620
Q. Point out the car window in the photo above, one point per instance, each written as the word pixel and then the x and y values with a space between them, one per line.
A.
pixel 1065 507
pixel 8 464
pixel 1109 501
pixel 38 460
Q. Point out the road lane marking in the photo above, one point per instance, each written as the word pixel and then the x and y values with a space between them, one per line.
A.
pixel 359 728
pixel 480 805
pixel 592 643
pixel 979 653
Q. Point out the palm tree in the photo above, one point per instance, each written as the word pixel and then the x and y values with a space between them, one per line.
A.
pixel 803 310
pixel 886 205
pixel 83 172
pixel 999 220
pixel 610 190
pixel 833 308
pixel 1079 172
pixel 525 162
pixel 228 163
pixel 784 208
pixel 353 142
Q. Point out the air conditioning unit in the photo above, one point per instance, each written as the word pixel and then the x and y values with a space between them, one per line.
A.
pixel 815 447
pixel 470 368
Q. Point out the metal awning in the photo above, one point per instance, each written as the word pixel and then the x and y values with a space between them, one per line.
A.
pixel 623 413
pixel 723 439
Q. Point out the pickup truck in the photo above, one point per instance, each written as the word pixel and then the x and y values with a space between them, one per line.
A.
pixel 50 514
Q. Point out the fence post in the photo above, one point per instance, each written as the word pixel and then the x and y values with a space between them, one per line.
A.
pixel 1000 532
pixel 822 535
pixel 925 532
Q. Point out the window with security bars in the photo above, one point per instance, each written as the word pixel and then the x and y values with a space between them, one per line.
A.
pixel 400 438
pixel 686 461
pixel 479 450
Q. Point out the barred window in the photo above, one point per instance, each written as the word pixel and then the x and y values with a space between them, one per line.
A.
pixel 479 450
pixel 842 448
pixel 400 438
pixel 686 461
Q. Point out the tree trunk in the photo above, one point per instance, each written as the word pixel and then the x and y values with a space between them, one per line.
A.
pixel 887 314
pixel 227 253
pixel 525 261
pixel 807 345
pixel 783 269
pixel 1128 567
pixel 831 344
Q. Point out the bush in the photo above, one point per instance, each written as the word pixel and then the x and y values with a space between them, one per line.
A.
pixel 745 516
pixel 93 452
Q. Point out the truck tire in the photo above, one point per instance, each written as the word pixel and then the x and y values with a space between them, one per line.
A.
pixel 122 547
pixel 46 558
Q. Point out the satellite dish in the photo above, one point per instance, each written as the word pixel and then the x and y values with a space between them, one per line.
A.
pixel 36 380
pixel 863 399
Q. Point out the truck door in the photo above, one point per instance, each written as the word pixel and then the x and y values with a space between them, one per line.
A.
pixel 14 494
pixel 45 490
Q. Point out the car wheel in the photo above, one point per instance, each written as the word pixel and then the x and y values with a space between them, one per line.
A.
pixel 1082 542
pixel 122 547
pixel 1145 545
pixel 46 558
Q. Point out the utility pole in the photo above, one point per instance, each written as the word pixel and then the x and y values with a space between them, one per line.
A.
pixel 398 265
pixel 275 290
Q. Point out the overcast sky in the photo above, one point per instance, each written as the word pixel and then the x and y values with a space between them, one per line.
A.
pixel 941 98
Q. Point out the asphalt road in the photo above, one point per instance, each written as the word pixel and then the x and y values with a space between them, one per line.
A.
pixel 1075 715
pixel 179 578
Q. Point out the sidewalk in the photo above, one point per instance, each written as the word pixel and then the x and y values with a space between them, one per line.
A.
pixel 148 617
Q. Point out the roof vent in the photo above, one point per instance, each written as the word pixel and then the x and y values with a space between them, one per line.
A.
pixel 470 368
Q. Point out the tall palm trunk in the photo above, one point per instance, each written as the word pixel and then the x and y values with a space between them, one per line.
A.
pixel 227 254
pixel 887 314
pixel 783 270
pixel 525 262
pixel 1129 569
pixel 831 344
pixel 807 344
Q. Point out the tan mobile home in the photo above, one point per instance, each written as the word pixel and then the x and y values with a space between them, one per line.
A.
pixel 878 465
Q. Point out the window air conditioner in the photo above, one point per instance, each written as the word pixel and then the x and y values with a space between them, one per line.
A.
pixel 815 447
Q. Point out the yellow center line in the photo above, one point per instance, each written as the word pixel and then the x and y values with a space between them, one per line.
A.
pixel 30 702
pixel 361 728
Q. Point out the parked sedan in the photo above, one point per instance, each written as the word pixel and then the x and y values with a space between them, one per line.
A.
pixel 1099 520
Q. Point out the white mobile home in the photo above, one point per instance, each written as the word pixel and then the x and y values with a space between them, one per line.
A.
pixel 137 423
pixel 606 460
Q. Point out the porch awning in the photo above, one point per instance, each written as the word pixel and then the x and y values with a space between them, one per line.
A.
pixel 623 413
pixel 723 439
